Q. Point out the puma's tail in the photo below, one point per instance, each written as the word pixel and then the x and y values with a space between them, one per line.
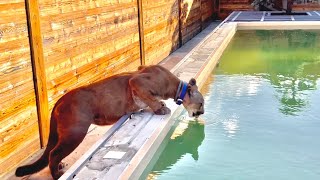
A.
pixel 43 161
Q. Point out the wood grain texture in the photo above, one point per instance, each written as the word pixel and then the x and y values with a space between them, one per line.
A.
pixel 190 19
pixel 207 10
pixel 226 7
pixel 84 41
pixel 161 29
pixel 12 160
pixel 19 131
pixel 306 7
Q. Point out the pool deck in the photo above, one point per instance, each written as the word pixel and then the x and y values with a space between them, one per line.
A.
pixel 125 151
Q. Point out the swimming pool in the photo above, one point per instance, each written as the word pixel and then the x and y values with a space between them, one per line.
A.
pixel 262 117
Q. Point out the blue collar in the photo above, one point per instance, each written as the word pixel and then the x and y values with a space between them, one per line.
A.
pixel 183 86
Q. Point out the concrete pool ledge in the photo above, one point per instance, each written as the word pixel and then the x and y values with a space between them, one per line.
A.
pixel 138 138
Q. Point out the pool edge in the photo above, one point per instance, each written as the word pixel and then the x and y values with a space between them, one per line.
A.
pixel 221 40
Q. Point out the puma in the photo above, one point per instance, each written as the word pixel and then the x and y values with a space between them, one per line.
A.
pixel 106 101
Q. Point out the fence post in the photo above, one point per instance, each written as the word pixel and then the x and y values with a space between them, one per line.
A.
pixel 201 24
pixel 38 68
pixel 141 32
pixel 180 22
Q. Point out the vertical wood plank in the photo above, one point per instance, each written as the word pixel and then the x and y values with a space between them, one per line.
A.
pixel 201 23
pixel 37 59
pixel 141 32
pixel 180 23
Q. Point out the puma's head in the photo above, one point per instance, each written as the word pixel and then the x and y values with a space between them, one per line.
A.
pixel 193 101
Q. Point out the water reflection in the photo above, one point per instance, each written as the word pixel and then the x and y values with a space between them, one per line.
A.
pixel 186 142
pixel 293 92
pixel 289 59
pixel 231 125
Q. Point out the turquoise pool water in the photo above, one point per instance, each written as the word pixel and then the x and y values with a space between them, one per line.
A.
pixel 262 114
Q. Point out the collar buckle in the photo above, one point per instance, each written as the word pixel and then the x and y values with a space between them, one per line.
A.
pixel 179 101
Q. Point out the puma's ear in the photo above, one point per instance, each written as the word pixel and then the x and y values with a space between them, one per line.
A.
pixel 192 82
pixel 189 89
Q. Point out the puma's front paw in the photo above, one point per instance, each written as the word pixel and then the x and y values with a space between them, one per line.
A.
pixel 62 165
pixel 162 111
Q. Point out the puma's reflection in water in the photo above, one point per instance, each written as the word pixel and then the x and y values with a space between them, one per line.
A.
pixel 179 145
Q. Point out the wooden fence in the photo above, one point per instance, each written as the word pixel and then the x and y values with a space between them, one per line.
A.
pixel 48 47
pixel 19 131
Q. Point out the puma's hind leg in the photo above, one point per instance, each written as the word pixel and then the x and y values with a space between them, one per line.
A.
pixel 66 145
pixel 70 136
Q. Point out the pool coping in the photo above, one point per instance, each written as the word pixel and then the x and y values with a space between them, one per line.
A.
pixel 211 47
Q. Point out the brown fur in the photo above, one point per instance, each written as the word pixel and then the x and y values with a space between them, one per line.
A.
pixel 103 103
